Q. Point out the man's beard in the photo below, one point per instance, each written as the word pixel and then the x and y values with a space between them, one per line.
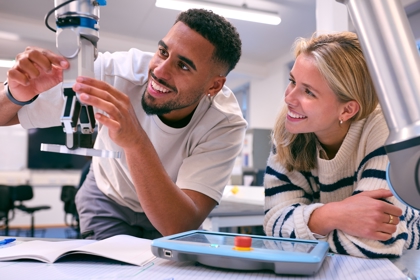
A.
pixel 164 108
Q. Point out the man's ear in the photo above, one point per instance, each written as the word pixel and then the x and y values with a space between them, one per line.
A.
pixel 349 110
pixel 216 85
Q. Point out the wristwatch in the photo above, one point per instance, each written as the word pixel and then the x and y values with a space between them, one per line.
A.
pixel 11 98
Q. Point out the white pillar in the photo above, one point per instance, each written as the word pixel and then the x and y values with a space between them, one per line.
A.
pixel 331 16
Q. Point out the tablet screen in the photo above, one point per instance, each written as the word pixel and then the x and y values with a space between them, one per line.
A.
pixel 216 240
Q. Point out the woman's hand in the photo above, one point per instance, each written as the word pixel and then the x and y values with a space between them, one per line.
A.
pixel 364 215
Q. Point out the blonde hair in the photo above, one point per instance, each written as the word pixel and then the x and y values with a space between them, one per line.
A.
pixel 340 61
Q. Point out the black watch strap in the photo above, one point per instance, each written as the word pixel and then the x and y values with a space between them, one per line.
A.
pixel 11 98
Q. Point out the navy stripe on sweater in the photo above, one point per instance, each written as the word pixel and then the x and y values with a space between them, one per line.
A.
pixel 308 176
pixel 338 247
pixel 373 255
pixel 418 230
pixel 381 199
pixel 376 153
pixel 345 182
pixel 283 188
pixel 374 173
pixel 392 240
pixel 369 173
pixel 342 183
pixel 287 216
pixel 278 175
pixel 413 226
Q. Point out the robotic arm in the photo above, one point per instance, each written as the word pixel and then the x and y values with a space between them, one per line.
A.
pixel 394 63
pixel 77 35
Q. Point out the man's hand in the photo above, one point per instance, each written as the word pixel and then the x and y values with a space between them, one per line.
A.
pixel 36 70
pixel 120 117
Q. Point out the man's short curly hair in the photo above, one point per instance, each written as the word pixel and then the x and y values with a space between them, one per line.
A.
pixel 218 31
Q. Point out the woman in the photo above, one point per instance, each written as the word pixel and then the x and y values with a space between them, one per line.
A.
pixel 325 177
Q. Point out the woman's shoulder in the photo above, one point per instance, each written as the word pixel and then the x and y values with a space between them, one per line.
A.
pixel 376 114
pixel 375 130
pixel 376 121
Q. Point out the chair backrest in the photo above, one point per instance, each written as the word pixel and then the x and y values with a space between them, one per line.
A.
pixel 6 207
pixel 22 193
pixel 6 202
pixel 68 194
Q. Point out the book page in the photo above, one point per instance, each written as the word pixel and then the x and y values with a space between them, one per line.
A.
pixel 45 251
pixel 122 248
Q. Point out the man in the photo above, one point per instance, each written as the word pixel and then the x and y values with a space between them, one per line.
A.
pixel 178 128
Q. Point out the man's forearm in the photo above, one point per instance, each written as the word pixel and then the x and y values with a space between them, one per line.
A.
pixel 170 209
pixel 8 111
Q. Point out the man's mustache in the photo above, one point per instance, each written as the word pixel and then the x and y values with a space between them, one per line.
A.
pixel 163 82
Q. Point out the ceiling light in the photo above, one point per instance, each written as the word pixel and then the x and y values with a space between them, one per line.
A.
pixel 9 36
pixel 6 63
pixel 234 12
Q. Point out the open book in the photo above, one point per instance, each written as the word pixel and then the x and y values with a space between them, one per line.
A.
pixel 122 248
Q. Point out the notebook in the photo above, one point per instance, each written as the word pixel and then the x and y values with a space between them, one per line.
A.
pixel 123 248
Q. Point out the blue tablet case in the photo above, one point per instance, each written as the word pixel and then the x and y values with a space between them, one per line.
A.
pixel 217 249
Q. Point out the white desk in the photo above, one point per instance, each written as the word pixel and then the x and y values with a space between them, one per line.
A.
pixel 409 264
pixel 240 206
pixel 231 214
pixel 82 267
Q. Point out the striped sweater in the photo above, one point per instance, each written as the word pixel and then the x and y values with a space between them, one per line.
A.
pixel 359 165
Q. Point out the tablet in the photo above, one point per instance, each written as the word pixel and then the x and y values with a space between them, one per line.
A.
pixel 243 252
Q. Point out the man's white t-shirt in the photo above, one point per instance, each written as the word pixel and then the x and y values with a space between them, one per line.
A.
pixel 199 156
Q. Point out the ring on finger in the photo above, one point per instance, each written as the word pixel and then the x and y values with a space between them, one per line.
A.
pixel 391 219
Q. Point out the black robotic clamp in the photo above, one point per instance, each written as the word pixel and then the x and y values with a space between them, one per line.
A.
pixel 75 112
pixel 77 35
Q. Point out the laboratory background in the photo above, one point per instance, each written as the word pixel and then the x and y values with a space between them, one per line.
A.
pixel 258 81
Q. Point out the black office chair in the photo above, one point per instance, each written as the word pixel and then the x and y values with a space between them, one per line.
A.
pixel 68 194
pixel 23 193
pixel 6 208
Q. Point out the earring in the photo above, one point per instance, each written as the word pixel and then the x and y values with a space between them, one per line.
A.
pixel 208 95
pixel 341 122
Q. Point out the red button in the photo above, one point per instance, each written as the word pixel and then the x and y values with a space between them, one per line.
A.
pixel 243 241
